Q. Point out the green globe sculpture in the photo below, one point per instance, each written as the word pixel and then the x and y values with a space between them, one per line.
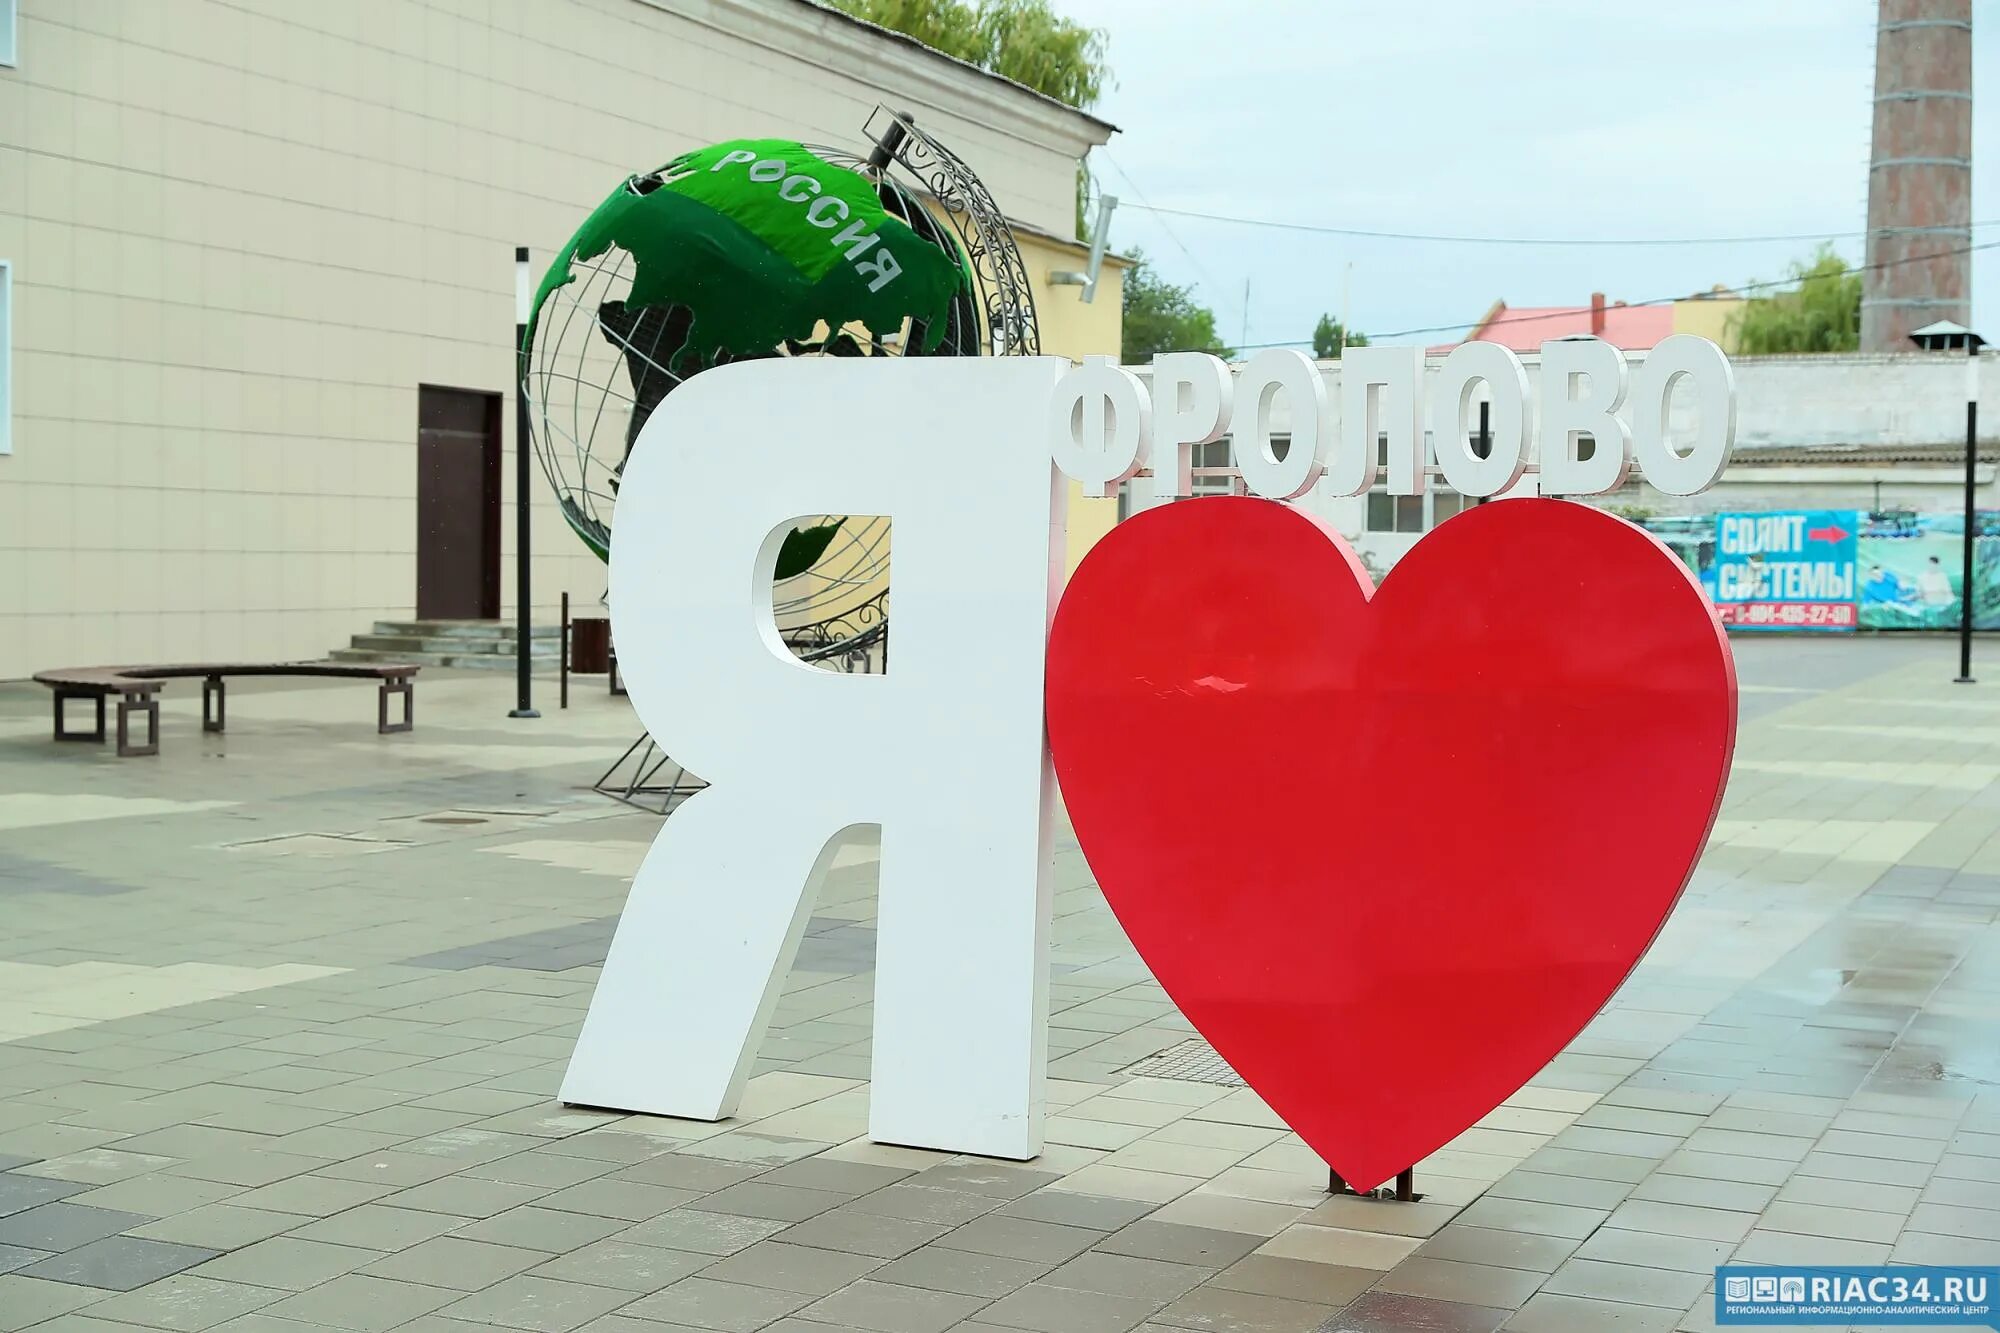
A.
pixel 761 248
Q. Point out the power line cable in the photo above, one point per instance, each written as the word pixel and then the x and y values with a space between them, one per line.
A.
pixel 1214 287
pixel 1669 300
pixel 1447 239
pixel 1661 300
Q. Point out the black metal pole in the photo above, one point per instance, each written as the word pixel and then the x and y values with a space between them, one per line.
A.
pixel 892 139
pixel 1971 516
pixel 1484 445
pixel 524 704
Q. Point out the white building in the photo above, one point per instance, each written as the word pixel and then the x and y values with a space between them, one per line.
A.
pixel 261 263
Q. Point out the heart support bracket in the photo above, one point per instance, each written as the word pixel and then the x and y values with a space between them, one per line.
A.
pixel 1406 1187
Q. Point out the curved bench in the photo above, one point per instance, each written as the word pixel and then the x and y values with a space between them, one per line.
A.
pixel 138 688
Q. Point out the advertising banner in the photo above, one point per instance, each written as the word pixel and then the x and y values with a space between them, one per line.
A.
pixel 1786 570
pixel 1690 537
pixel 1911 565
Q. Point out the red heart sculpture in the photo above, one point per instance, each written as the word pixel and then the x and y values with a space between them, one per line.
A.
pixel 1388 853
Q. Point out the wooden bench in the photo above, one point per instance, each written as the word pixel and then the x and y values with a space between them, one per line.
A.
pixel 138 689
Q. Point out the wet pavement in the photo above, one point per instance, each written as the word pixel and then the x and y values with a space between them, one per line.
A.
pixel 283 1013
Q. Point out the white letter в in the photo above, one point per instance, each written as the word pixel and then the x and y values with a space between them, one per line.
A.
pixel 1583 383
pixel 945 752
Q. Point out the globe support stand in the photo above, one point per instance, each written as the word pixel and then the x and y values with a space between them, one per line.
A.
pixel 632 778
pixel 1405 1192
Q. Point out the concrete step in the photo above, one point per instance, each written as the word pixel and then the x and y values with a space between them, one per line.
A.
pixel 464 630
pixel 538 646
pixel 461 660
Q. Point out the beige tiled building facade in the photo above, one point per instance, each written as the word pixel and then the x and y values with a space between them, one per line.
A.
pixel 243 236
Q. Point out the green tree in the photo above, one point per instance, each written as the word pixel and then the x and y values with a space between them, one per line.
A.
pixel 1028 42
pixel 1022 40
pixel 1822 313
pixel 1327 341
pixel 1160 317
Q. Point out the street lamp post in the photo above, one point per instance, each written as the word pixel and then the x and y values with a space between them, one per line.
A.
pixel 524 704
pixel 1947 336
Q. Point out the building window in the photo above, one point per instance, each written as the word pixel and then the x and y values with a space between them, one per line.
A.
pixel 9 22
pixel 1213 455
pixel 6 353
pixel 1411 513
pixel 1218 457
pixel 1215 471
pixel 1395 513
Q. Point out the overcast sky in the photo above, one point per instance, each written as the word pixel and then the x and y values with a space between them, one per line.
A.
pixel 1574 118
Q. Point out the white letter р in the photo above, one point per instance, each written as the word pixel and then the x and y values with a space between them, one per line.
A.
pixel 1192 393
pixel 944 753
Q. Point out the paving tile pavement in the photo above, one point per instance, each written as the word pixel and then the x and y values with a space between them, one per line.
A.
pixel 280 1039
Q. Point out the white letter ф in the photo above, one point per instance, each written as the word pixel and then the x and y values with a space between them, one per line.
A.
pixel 731 462
pixel 1100 426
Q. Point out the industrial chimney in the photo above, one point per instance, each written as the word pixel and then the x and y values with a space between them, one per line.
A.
pixel 1920 174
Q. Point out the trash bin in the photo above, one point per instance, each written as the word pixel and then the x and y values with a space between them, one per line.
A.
pixel 590 645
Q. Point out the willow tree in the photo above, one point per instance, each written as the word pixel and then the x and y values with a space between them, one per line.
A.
pixel 1821 312
pixel 1022 40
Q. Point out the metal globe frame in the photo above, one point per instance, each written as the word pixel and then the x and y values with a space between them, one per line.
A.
pixel 592 368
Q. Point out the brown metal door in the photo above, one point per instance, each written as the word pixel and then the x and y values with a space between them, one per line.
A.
pixel 458 504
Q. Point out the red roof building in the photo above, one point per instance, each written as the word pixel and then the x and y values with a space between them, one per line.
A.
pixel 1524 329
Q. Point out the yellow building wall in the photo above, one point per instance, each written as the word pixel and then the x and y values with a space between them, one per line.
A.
pixel 1710 319
pixel 1074 329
